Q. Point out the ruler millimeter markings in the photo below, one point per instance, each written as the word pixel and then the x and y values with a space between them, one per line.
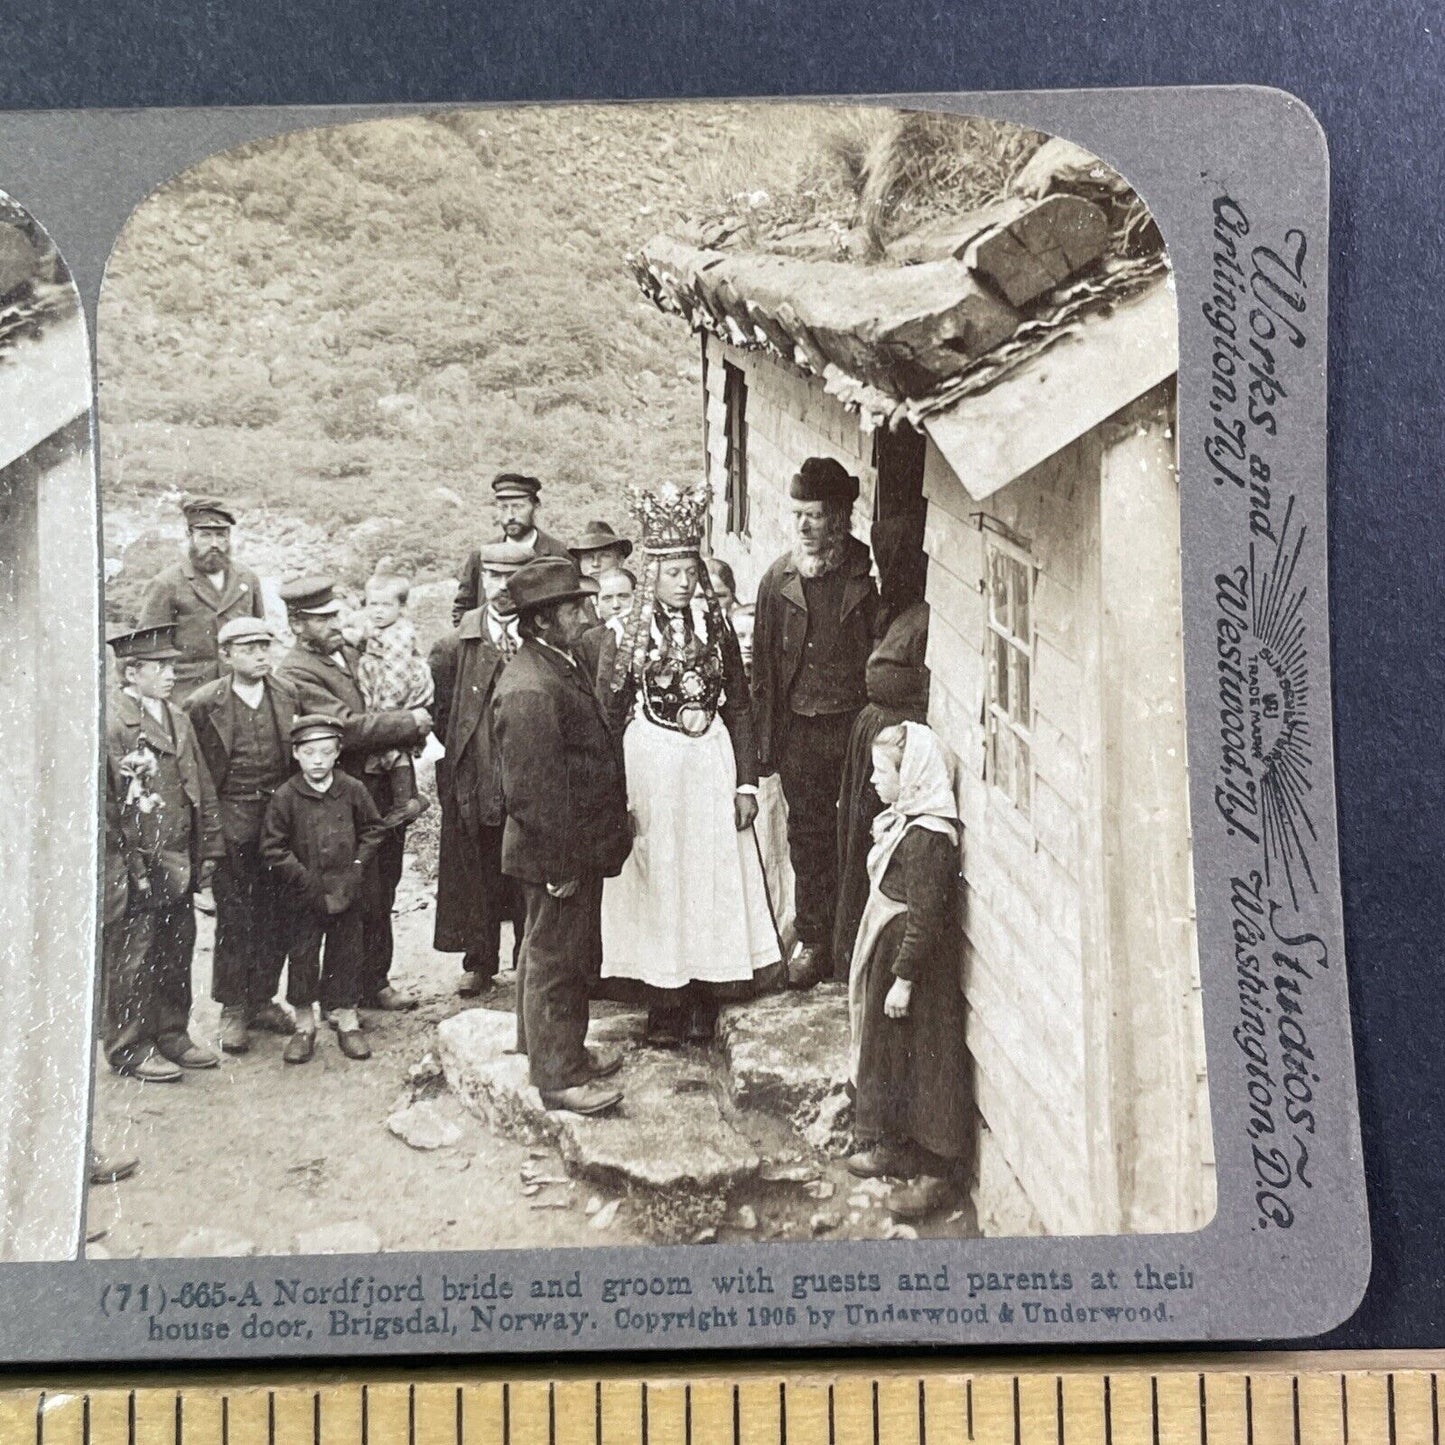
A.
pixel 1153 1402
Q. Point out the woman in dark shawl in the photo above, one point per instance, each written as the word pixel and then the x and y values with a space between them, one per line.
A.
pixel 897 681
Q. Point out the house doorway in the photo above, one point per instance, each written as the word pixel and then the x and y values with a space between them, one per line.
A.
pixel 898 463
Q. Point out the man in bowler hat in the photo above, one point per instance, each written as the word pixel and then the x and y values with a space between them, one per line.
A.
pixel 201 593
pixel 516 498
pixel 474 896
pixel 170 827
pixel 812 635
pixel 322 670
pixel 243 725
pixel 566 830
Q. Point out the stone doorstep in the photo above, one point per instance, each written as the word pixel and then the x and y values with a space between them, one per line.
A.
pixel 787 1052
pixel 668 1131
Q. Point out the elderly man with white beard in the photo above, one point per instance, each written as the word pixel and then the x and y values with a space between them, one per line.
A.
pixel 814 629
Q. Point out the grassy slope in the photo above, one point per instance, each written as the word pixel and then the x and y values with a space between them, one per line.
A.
pixel 355 328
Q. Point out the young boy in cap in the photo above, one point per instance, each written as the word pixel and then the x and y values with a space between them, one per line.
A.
pixel 394 675
pixel 323 668
pixel 320 831
pixel 167 811
pixel 243 725
pixel 516 498
pixel 201 593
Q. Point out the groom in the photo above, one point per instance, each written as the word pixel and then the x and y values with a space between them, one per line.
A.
pixel 566 830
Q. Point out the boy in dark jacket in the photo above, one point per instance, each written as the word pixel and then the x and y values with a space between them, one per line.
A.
pixel 320 832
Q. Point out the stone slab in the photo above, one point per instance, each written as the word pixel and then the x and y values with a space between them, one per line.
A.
pixel 787 1052
pixel 669 1130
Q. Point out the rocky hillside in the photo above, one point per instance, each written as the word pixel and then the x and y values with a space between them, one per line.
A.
pixel 349 331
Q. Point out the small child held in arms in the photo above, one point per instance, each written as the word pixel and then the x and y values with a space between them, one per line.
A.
pixel 393 674
pixel 320 831
pixel 913 1106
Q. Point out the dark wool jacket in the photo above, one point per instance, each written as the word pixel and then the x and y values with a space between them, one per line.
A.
pixel 469 584
pixel 320 843
pixel 465 666
pixel 212 711
pixel 781 630
pixel 321 686
pixel 181 594
pixel 174 870
pixel 562 781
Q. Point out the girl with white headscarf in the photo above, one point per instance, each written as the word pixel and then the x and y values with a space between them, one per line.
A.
pixel 909 1067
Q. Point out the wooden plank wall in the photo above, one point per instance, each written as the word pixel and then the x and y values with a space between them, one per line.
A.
pixel 789 417
pixel 1160 1085
pixel 48 850
pixel 1021 959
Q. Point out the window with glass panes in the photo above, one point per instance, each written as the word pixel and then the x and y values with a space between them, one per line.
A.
pixel 1009 757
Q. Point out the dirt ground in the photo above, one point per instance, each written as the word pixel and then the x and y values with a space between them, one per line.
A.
pixel 308 1146
pixel 247 1158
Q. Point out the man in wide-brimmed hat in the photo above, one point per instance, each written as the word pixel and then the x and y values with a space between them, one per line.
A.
pixel 201 593
pixel 516 498
pixel 566 830
pixel 474 896
pixel 814 629
pixel 600 549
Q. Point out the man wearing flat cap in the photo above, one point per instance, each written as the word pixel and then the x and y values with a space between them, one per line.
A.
pixel 166 809
pixel 243 725
pixel 813 632
pixel 515 498
pixel 600 549
pixel 474 896
pixel 566 830
pixel 322 670
pixel 201 593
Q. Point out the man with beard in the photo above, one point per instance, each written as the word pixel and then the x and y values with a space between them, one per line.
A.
pixel 200 594
pixel 474 897
pixel 566 831
pixel 243 725
pixel 814 629
pixel 516 499
pixel 322 670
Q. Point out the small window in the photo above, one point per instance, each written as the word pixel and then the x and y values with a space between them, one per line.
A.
pixel 735 401
pixel 1009 756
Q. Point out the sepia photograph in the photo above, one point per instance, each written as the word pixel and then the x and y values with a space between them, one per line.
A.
pixel 644 690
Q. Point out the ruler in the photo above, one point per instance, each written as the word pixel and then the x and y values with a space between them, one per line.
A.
pixel 1295 1399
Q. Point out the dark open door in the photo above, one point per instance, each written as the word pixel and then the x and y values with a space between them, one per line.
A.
pixel 898 457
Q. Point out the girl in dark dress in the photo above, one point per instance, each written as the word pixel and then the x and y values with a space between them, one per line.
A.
pixel 897 683
pixel 908 1060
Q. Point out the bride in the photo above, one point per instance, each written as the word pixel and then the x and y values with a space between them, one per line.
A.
pixel 688 916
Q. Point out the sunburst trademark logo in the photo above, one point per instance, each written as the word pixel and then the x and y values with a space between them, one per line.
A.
pixel 1264 790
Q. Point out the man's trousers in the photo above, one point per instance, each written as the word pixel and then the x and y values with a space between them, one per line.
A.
pixel 146 959
pixel 811 771
pixel 383 873
pixel 251 919
pixel 561 957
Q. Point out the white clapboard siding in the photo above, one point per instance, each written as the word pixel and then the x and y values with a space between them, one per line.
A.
pixel 1063 1151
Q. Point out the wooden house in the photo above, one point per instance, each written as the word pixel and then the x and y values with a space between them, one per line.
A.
pixel 1013 371
pixel 48 603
